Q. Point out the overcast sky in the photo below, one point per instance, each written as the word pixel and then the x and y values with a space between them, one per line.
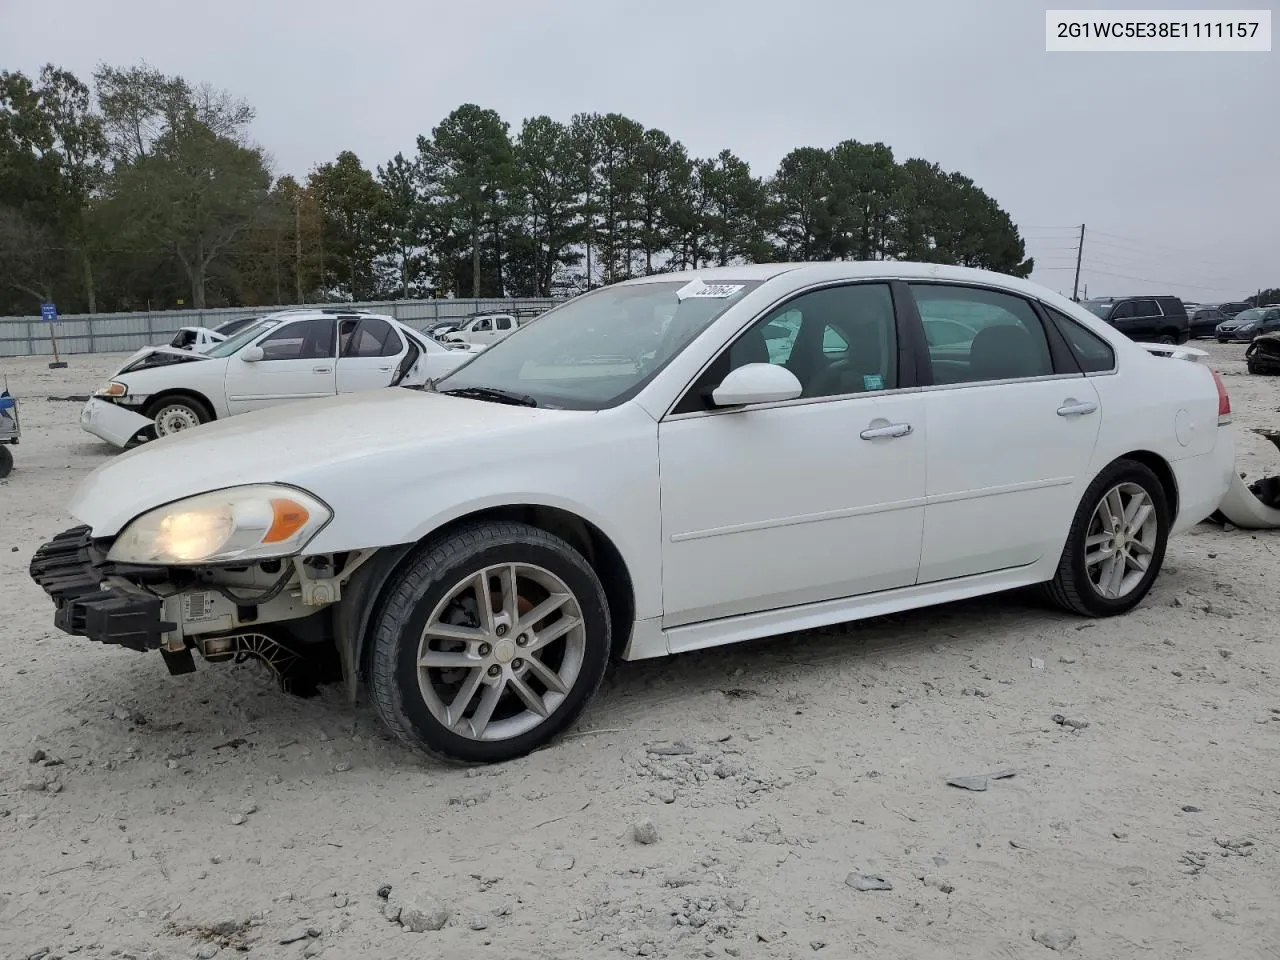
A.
pixel 1172 160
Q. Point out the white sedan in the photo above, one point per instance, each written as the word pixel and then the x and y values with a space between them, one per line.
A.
pixel 784 449
pixel 281 357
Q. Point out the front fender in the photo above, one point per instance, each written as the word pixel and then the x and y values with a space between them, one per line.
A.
pixel 605 472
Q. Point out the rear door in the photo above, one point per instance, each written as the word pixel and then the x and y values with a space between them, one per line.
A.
pixel 371 354
pixel 502 327
pixel 1011 422
pixel 297 363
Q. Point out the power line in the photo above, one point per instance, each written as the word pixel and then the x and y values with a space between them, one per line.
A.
pixel 1137 245
pixel 1167 283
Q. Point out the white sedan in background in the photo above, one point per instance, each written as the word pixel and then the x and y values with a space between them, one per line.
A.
pixel 281 357
pixel 785 447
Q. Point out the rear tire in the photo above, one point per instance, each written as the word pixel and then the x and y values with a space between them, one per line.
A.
pixel 175 414
pixel 466 688
pixel 1101 574
pixel 6 461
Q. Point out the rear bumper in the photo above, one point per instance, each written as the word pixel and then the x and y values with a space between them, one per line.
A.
pixel 1204 481
pixel 70 568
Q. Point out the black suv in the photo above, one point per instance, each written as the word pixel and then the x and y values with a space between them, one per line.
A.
pixel 1145 319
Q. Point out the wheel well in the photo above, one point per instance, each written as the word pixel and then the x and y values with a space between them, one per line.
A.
pixel 1164 473
pixel 188 394
pixel 587 539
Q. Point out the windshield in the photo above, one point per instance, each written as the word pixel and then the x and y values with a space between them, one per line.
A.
pixel 599 349
pixel 1246 315
pixel 1099 308
pixel 233 343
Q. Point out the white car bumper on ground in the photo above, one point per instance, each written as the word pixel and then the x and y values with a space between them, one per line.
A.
pixel 110 422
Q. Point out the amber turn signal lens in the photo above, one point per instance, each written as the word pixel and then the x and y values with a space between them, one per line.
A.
pixel 287 519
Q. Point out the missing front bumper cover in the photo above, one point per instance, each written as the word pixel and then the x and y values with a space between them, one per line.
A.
pixel 70 568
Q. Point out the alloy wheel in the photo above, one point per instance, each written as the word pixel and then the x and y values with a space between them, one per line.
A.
pixel 1121 540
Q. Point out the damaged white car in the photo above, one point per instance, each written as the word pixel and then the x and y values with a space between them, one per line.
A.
pixel 282 357
pixel 658 466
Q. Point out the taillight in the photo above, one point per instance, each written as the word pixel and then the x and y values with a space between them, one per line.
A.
pixel 1224 401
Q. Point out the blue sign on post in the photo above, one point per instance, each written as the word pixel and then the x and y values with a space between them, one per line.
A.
pixel 49 314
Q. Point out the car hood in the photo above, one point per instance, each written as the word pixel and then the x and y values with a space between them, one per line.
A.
pixel 149 357
pixel 313 444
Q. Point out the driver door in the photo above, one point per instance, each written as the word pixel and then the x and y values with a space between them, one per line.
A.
pixel 297 364
pixel 820 498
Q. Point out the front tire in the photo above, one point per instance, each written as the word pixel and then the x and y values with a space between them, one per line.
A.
pixel 1116 544
pixel 6 461
pixel 489 643
pixel 174 414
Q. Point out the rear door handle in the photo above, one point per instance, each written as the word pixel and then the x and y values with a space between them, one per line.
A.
pixel 384 368
pixel 1072 407
pixel 322 369
pixel 887 431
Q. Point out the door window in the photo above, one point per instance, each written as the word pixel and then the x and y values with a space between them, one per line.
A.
pixel 373 338
pixel 837 341
pixel 503 323
pixel 981 334
pixel 300 340
pixel 1146 308
pixel 1124 311
pixel 482 326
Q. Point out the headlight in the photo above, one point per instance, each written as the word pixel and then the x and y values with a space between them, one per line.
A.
pixel 113 388
pixel 236 524
pixel 1246 327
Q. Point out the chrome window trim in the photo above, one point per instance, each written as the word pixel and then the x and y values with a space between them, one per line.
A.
pixel 797 402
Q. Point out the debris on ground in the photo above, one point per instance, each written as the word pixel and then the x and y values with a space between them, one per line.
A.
pixel 1058 939
pixel 979 782
pixel 1069 722
pixel 866 881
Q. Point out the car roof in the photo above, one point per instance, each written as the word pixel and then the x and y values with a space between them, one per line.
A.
pixel 314 313
pixel 801 273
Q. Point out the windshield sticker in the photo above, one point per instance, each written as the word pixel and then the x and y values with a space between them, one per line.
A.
pixel 716 291
pixel 872 381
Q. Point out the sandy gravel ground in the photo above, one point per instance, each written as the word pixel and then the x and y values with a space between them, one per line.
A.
pixel 209 814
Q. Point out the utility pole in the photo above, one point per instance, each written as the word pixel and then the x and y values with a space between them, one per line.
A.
pixel 1075 288
pixel 297 239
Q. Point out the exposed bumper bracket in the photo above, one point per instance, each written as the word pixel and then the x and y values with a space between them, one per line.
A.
pixel 70 570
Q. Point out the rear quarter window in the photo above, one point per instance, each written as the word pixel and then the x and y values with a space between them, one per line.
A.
pixel 1092 352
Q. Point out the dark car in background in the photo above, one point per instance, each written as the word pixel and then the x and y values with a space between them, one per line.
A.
pixel 1248 324
pixel 1150 319
pixel 1205 319
pixel 1233 307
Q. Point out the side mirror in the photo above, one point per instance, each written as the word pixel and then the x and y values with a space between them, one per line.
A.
pixel 756 383
pixel 252 354
pixel 776 331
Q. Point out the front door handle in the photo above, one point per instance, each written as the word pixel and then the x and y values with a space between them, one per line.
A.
pixel 384 368
pixel 887 430
pixel 322 369
pixel 1071 407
